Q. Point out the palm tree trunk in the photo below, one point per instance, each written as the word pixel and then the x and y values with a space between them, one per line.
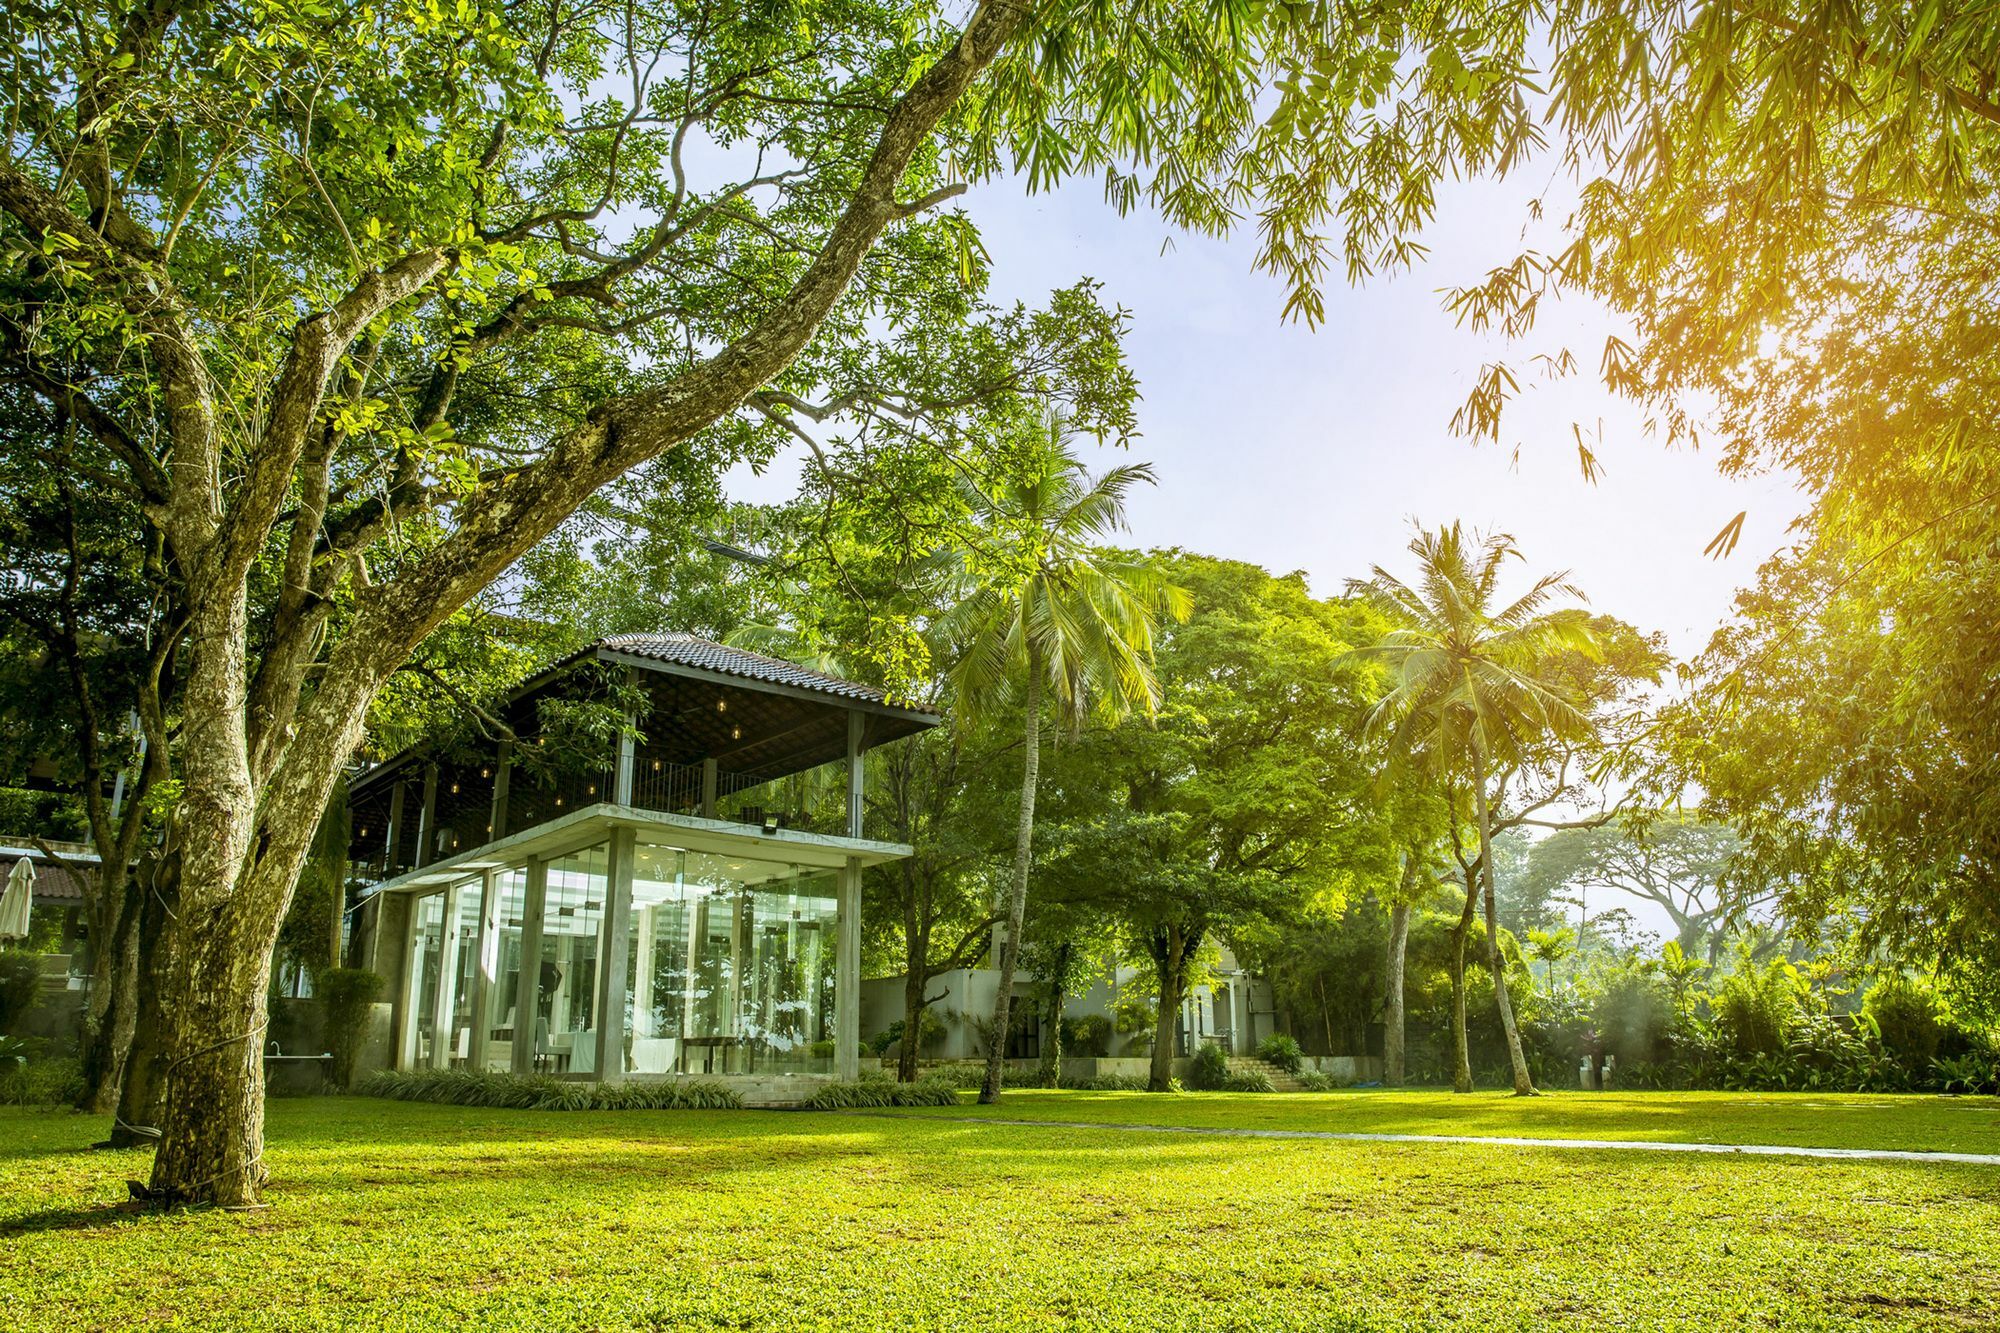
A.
pixel 1392 1021
pixel 1017 899
pixel 1524 1084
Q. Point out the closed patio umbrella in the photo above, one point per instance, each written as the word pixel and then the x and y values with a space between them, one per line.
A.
pixel 17 900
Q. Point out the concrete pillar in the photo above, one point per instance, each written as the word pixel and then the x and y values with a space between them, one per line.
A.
pixel 528 986
pixel 847 975
pixel 621 783
pixel 484 980
pixel 708 785
pixel 1240 1036
pixel 614 954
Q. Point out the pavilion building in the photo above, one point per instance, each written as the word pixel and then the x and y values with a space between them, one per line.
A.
pixel 679 899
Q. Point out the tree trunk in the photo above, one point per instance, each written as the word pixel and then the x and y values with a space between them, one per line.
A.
pixel 1052 1016
pixel 140 1110
pixel 111 1016
pixel 1392 1022
pixel 910 1049
pixel 1171 971
pixel 1524 1084
pixel 1017 898
pixel 1461 1073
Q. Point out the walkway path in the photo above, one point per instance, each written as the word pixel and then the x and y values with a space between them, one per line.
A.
pixel 1628 1145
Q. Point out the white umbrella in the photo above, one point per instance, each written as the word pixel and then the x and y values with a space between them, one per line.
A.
pixel 17 900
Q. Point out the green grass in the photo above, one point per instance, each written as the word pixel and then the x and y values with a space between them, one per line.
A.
pixel 1830 1120
pixel 395 1215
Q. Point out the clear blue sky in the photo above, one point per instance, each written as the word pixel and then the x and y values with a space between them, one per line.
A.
pixel 1312 449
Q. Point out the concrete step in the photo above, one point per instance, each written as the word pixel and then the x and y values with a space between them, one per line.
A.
pixel 1250 1064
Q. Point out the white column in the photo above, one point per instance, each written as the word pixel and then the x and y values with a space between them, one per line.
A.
pixel 847 975
pixel 528 986
pixel 1239 1014
pixel 614 957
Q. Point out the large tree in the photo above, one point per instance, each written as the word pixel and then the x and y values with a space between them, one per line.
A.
pixel 364 305
pixel 1250 795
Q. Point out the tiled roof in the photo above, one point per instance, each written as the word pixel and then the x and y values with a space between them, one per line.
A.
pixel 687 650
pixel 53 883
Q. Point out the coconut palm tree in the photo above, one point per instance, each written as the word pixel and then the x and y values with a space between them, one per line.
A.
pixel 1042 613
pixel 1473 687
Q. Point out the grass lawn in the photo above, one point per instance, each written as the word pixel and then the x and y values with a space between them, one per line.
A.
pixel 398 1216
pixel 1829 1120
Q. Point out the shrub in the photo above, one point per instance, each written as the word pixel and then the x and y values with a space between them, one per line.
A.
pixel 1211 1068
pixel 972 1077
pixel 929 1028
pixel 1911 1019
pixel 1634 1020
pixel 1967 1073
pixel 1311 1080
pixel 872 1092
pixel 1282 1051
pixel 20 985
pixel 348 994
pixel 1089 1034
pixel 539 1092
pixel 1254 1081
pixel 43 1083
pixel 1754 1007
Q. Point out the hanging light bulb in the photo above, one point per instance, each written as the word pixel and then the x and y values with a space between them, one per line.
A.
pixel 736 733
pixel 722 705
pixel 454 789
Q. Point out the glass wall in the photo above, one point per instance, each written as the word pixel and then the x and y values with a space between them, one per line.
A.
pixel 566 981
pixel 503 966
pixel 462 944
pixel 732 966
pixel 426 970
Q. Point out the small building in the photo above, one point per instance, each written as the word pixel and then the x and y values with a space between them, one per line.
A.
pixel 679 899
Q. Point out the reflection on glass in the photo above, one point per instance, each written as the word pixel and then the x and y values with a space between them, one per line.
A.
pixel 504 968
pixel 426 969
pixel 732 966
pixel 566 986
pixel 463 945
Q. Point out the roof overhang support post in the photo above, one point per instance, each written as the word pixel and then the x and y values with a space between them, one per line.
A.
pixel 427 823
pixel 857 731
pixel 392 838
pixel 503 770
pixel 708 784
pixel 615 953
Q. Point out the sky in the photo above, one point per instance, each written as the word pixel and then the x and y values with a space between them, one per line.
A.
pixel 1314 449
